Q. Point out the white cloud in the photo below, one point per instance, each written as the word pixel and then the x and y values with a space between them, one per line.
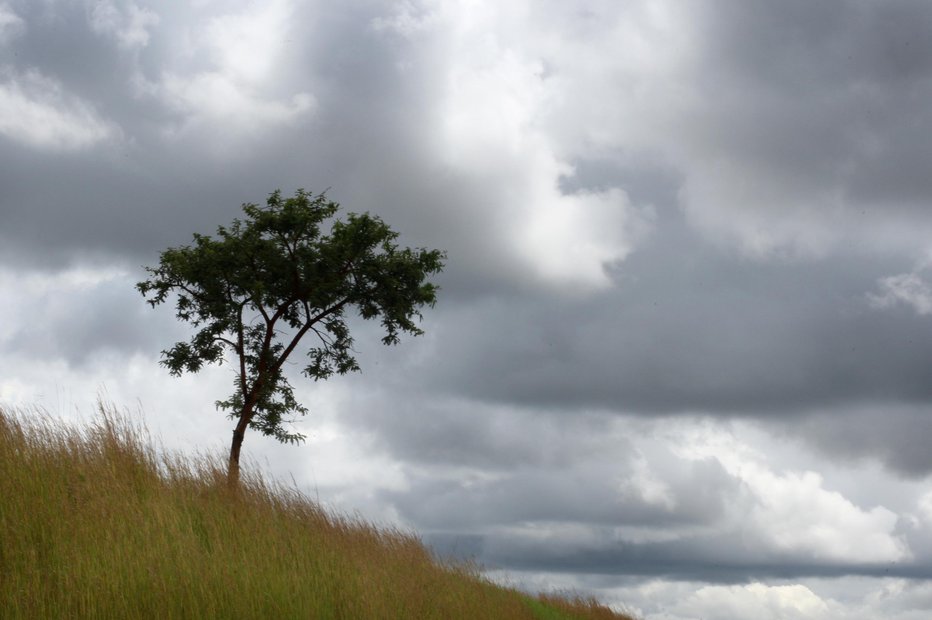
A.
pixel 925 507
pixel 906 288
pixel 246 45
pixel 126 22
pixel 37 111
pixel 755 600
pixel 648 101
pixel 795 513
pixel 216 98
pixel 792 512
pixel 11 24
pixel 497 129
pixel 645 485
pixel 772 170
pixel 842 598
pixel 37 292
pixel 407 19
pixel 234 96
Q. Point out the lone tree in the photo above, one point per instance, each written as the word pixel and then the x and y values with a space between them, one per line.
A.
pixel 267 281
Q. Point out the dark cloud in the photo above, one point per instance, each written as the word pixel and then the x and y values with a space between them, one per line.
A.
pixel 894 435
pixel 793 134
pixel 690 328
pixel 374 136
pixel 654 217
pixel 580 495
pixel 711 559
pixel 646 180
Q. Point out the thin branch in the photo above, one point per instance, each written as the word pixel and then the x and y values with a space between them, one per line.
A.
pixel 261 308
pixel 323 337
pixel 309 325
pixel 183 287
pixel 263 369
pixel 225 340
pixel 330 310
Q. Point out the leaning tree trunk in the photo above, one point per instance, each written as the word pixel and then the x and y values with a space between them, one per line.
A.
pixel 238 434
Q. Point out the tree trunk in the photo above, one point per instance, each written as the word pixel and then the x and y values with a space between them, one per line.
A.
pixel 238 434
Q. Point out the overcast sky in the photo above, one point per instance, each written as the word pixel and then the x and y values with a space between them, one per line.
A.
pixel 682 357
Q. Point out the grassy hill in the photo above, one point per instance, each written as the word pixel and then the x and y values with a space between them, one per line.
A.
pixel 95 523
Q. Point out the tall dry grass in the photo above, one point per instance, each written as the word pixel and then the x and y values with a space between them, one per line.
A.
pixel 96 523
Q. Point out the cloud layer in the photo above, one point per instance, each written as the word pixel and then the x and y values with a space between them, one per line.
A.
pixel 680 355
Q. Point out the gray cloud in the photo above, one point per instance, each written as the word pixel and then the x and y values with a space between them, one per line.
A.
pixel 894 435
pixel 689 328
pixel 594 495
pixel 712 559
pixel 794 136
pixel 77 321
pixel 657 217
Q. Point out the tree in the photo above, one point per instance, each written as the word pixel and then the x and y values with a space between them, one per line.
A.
pixel 267 281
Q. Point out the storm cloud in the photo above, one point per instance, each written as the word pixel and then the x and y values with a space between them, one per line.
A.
pixel 683 342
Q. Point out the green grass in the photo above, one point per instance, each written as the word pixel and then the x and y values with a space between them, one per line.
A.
pixel 95 523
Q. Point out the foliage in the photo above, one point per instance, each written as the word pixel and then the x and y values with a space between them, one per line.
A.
pixel 267 281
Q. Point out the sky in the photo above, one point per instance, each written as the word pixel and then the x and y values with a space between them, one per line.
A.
pixel 681 356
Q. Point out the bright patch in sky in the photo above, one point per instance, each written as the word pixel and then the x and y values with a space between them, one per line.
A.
pixel 128 23
pixel 38 112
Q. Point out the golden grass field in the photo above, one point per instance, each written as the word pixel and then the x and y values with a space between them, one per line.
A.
pixel 97 523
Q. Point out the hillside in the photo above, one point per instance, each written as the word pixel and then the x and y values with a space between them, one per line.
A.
pixel 96 523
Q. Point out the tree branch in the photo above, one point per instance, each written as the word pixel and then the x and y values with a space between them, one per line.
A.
pixel 225 340
pixel 323 337
pixel 261 309
pixel 241 349
pixel 309 325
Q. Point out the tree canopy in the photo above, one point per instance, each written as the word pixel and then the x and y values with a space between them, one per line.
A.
pixel 263 283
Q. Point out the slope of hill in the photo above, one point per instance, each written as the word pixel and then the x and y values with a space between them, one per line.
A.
pixel 96 523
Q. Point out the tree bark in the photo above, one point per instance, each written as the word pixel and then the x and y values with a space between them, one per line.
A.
pixel 238 434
